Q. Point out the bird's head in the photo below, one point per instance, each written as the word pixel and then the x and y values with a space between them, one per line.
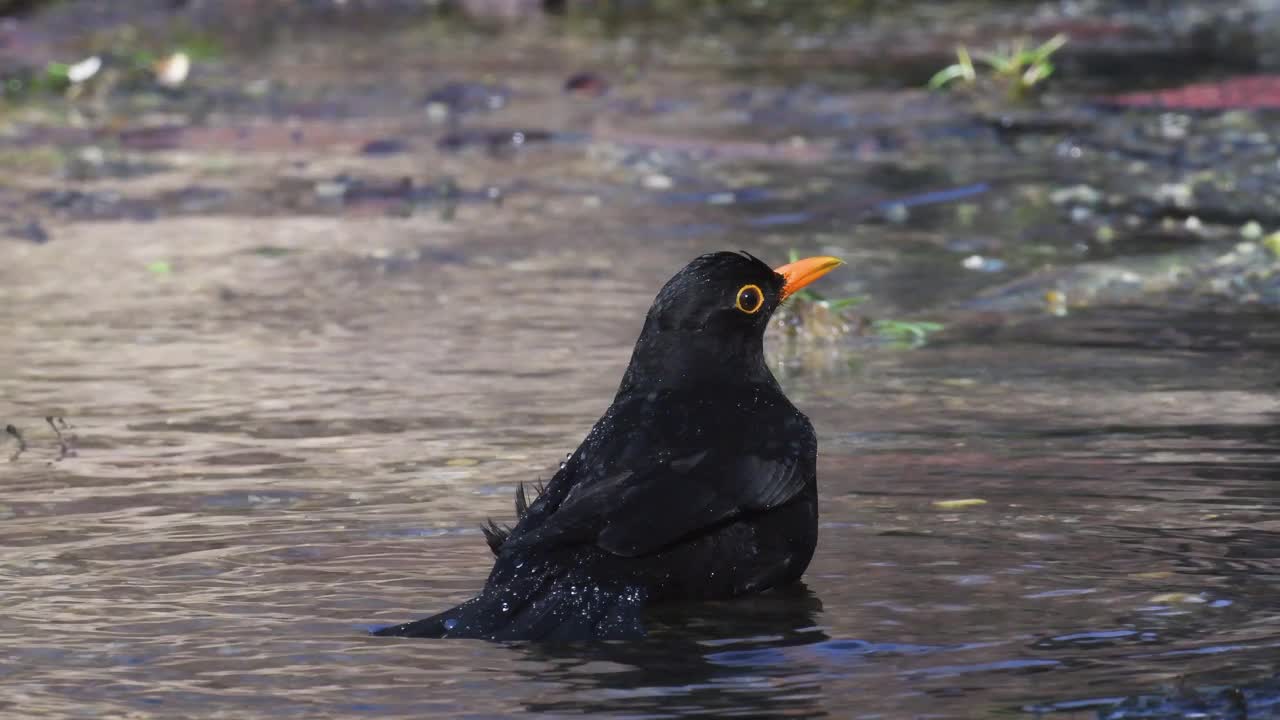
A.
pixel 711 316
pixel 727 294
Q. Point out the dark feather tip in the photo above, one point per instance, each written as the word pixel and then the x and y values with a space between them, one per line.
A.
pixel 495 535
pixel 522 502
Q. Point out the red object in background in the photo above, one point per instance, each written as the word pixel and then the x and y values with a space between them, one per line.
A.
pixel 1243 92
pixel 586 83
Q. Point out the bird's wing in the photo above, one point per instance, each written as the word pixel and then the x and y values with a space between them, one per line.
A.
pixel 644 513
pixel 640 505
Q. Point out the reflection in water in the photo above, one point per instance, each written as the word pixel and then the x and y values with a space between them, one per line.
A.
pixel 720 658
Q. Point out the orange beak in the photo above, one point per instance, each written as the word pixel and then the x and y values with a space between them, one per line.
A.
pixel 802 272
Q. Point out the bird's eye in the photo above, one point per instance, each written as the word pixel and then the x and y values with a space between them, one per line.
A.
pixel 750 299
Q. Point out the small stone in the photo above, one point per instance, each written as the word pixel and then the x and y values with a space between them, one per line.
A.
pixel 1174 126
pixel 331 189
pixel 896 213
pixel 437 111
pixel 658 182
pixel 1177 194
pixel 983 264
pixel 92 156
pixel 1251 230
pixel 172 71
pixel 1076 194
pixel 258 88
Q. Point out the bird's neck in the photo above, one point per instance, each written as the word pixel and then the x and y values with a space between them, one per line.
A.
pixel 679 358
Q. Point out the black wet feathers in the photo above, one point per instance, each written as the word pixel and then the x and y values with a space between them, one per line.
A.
pixel 496 534
pixel 698 482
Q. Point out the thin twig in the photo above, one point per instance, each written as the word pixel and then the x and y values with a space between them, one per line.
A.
pixel 64 447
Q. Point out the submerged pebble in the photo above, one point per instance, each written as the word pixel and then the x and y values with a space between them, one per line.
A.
pixel 657 182
pixel 984 264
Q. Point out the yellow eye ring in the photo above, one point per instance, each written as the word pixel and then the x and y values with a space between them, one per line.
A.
pixel 749 299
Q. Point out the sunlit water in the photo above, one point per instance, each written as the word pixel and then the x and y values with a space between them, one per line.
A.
pixel 290 430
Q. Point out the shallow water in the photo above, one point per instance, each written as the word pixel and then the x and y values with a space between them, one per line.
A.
pixel 288 414
pixel 259 475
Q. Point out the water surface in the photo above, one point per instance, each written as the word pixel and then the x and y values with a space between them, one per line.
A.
pixel 258 477
pixel 287 415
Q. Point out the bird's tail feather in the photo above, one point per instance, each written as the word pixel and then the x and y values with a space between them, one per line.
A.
pixel 496 534
pixel 539 607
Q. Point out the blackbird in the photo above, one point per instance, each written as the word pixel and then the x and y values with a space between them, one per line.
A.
pixel 698 483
